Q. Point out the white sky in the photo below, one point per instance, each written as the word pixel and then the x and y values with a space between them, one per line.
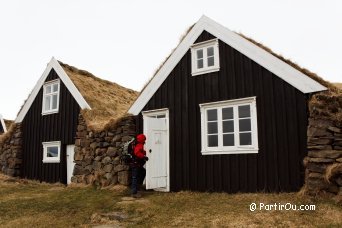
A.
pixel 125 41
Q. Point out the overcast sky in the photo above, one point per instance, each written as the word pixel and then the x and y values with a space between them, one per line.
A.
pixel 125 41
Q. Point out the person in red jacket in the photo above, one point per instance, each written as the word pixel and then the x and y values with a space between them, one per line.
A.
pixel 138 170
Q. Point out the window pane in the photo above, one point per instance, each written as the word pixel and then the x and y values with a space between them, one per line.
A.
pixel 200 63
pixel 52 152
pixel 200 54
pixel 54 101
pixel 212 114
pixel 210 51
pixel 48 89
pixel 245 139
pixel 227 113
pixel 212 127
pixel 228 126
pixel 211 61
pixel 228 140
pixel 47 103
pixel 245 124
pixel 55 87
pixel 212 140
pixel 244 111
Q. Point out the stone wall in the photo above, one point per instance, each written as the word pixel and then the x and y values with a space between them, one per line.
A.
pixel 11 151
pixel 324 160
pixel 97 154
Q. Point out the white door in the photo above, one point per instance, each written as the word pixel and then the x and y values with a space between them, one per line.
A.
pixel 157 168
pixel 70 162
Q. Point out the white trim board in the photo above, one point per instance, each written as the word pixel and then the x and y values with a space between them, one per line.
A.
pixel 2 122
pixel 53 64
pixel 283 70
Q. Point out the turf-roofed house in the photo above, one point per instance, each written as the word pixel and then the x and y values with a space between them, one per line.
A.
pixel 49 120
pixel 223 113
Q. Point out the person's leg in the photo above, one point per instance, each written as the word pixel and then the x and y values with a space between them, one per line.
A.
pixel 135 180
pixel 141 176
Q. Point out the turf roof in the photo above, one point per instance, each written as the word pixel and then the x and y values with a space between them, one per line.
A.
pixel 107 100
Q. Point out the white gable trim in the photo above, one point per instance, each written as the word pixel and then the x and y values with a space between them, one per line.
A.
pixel 283 70
pixel 2 122
pixel 53 64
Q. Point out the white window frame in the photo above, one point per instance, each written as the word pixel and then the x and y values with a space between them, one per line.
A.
pixel 204 46
pixel 236 149
pixel 51 83
pixel 47 159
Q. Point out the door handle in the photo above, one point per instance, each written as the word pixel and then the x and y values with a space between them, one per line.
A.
pixel 150 151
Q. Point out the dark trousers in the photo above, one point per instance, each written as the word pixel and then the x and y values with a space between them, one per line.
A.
pixel 138 176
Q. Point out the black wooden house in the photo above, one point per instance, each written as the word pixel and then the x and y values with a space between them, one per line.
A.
pixel 49 118
pixel 223 114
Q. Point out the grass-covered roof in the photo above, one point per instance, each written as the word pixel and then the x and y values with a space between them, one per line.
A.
pixel 107 100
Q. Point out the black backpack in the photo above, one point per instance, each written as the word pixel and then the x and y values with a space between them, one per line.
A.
pixel 128 156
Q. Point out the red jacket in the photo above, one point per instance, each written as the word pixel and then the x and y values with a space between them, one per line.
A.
pixel 139 151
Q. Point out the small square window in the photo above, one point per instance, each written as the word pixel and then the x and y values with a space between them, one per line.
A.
pixel 51 152
pixel 51 97
pixel 205 57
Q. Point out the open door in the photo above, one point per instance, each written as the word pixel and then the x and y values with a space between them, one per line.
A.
pixel 157 150
pixel 70 162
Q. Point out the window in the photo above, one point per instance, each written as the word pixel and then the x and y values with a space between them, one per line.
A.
pixel 229 127
pixel 205 57
pixel 51 152
pixel 50 97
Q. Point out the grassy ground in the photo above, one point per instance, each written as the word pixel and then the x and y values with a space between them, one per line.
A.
pixel 28 204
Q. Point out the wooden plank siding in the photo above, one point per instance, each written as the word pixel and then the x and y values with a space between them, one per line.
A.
pixel 38 128
pixel 282 122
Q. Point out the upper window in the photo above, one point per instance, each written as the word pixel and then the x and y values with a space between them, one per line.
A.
pixel 51 152
pixel 51 97
pixel 229 127
pixel 205 57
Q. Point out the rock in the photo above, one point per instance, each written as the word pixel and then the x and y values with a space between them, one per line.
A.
pixel 126 138
pixel 108 168
pixel 104 144
pixel 339 160
pixel 339 180
pixel 124 177
pixel 85 142
pixel 321 160
pixel 114 179
pixel 111 152
pixel 78 156
pixel 116 161
pixel 317 132
pixel 334 129
pixel 111 134
pixel 316 167
pixel 108 176
pixel 119 168
pixel 325 154
pixel 97 165
pixel 81 128
pixel 116 138
pixel 320 123
pixel 316 175
pixel 94 145
pixel 320 141
pixel 320 147
pixel 106 160
pixel 90 179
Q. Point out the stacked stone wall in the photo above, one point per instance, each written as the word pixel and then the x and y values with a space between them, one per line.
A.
pixel 11 151
pixel 97 154
pixel 324 160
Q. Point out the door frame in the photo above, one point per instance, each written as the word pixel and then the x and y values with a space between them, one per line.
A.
pixel 156 112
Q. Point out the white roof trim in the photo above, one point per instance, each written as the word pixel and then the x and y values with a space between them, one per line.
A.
pixel 53 64
pixel 2 122
pixel 283 70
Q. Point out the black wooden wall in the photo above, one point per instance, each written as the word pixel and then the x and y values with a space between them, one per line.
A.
pixel 1 129
pixel 37 128
pixel 282 122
